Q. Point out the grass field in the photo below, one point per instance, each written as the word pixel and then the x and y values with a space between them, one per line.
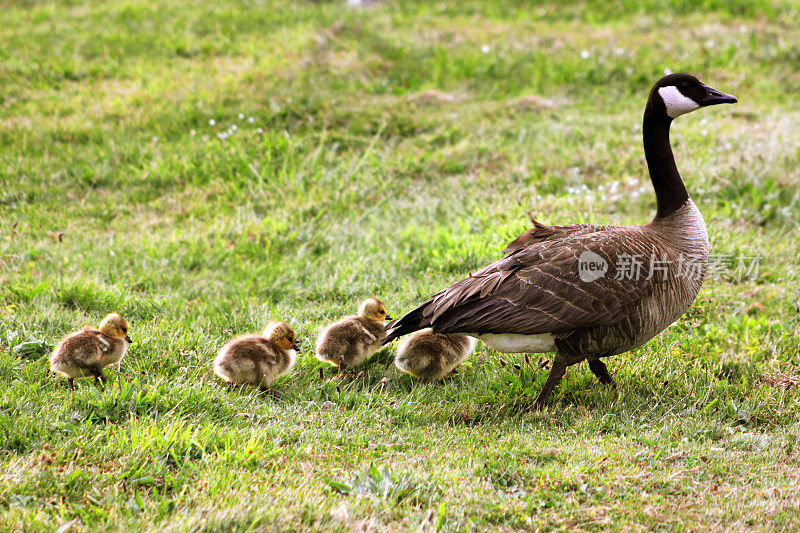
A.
pixel 203 168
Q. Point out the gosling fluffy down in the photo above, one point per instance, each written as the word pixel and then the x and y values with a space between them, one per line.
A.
pixel 353 339
pixel 86 352
pixel 258 360
pixel 431 356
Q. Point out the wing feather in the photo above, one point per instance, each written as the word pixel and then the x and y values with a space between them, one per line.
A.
pixel 538 288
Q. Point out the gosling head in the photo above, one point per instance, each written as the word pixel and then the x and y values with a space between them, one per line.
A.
pixel 281 335
pixel 114 325
pixel 678 94
pixel 373 309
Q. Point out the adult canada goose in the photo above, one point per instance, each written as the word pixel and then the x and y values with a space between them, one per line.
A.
pixel 587 291
pixel 86 352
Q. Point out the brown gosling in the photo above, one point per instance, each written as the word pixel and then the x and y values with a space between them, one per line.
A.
pixel 431 356
pixel 258 360
pixel 351 340
pixel 86 352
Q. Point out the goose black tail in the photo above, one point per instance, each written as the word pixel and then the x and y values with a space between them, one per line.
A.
pixel 408 323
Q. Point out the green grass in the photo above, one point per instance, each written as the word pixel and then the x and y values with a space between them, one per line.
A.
pixel 393 157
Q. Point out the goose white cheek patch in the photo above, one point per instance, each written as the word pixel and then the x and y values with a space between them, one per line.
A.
pixel 676 103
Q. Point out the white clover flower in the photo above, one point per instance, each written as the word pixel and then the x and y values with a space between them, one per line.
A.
pixel 192 132
pixel 233 127
pixel 250 120
pixel 704 133
pixel 585 54
pixel 155 139
pixel 259 130
pixel 199 104
pixel 241 116
pixel 667 72
pixel 485 49
pixel 211 122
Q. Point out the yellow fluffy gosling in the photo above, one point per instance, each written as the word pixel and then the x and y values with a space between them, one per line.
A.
pixel 258 360
pixel 353 339
pixel 431 356
pixel 86 352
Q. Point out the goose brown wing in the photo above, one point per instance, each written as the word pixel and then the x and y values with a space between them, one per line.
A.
pixel 542 232
pixel 538 289
pixel 256 348
pixel 99 339
pixel 272 354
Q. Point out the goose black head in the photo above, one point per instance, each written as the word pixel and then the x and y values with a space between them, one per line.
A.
pixel 678 94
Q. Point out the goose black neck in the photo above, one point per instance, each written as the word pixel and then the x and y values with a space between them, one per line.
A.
pixel 670 192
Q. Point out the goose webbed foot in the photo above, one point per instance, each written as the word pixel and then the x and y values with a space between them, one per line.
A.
pixel 272 393
pixel 436 379
pixel 600 370
pixel 447 377
pixel 99 377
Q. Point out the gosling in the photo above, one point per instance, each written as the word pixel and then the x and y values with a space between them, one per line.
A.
pixel 431 356
pixel 258 360
pixel 86 352
pixel 351 340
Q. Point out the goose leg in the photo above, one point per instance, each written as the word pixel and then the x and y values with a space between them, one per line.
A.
pixel 71 382
pixel 99 378
pixel 268 391
pixel 557 372
pixel 600 370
